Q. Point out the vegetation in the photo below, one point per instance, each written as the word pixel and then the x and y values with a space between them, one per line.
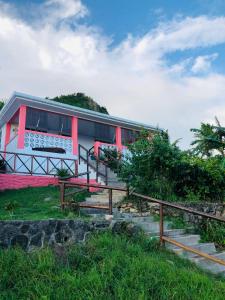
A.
pixel 159 168
pixel 106 267
pixel 81 100
pixel 209 139
pixel 63 173
pixel 34 204
pixel 1 104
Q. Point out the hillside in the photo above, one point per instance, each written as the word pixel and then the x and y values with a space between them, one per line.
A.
pixel 81 100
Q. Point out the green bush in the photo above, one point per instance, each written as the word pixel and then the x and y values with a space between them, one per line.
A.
pixel 62 173
pixel 159 168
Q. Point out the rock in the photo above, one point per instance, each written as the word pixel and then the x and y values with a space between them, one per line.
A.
pixel 20 240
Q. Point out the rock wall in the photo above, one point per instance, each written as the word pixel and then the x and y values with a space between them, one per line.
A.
pixel 216 209
pixel 37 234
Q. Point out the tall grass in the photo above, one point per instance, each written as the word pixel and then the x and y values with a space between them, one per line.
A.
pixel 106 267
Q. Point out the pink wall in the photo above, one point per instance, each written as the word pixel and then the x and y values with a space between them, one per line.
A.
pixel 21 128
pixel 13 181
pixel 7 135
pixel 75 135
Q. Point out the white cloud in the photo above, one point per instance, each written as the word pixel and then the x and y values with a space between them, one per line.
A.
pixel 63 9
pixel 132 79
pixel 203 63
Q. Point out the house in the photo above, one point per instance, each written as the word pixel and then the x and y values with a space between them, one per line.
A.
pixel 39 136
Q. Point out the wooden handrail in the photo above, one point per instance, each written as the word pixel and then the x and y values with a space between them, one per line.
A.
pixel 163 239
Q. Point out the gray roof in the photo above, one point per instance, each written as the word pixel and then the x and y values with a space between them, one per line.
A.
pixel 19 99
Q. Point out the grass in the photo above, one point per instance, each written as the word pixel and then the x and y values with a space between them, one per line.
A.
pixel 34 204
pixel 106 267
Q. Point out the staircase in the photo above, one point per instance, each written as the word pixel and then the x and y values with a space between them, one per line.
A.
pixel 100 170
pixel 151 228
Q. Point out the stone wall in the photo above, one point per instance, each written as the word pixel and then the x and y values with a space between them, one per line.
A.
pixel 216 209
pixel 37 234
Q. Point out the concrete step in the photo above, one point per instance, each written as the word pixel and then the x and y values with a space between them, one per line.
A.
pixel 152 226
pixel 208 248
pixel 170 233
pixel 209 265
pixel 143 219
pixel 187 239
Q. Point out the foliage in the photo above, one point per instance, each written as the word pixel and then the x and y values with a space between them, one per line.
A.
pixel 81 100
pixel 112 158
pixel 35 204
pixel 1 104
pixel 62 173
pixel 106 267
pixel 209 139
pixel 159 168
pixel 11 206
pixel 212 231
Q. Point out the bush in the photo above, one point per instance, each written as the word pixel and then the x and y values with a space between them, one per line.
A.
pixel 160 169
pixel 63 173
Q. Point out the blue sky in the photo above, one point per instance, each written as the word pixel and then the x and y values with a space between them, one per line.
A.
pixel 159 62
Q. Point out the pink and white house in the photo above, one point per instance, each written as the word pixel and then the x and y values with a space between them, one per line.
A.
pixel 39 136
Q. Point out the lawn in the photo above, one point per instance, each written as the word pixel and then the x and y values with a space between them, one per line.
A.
pixel 32 204
pixel 106 267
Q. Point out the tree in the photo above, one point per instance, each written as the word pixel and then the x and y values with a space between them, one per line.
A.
pixel 81 100
pixel 1 104
pixel 208 139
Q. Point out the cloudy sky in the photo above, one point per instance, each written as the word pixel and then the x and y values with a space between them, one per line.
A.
pixel 155 61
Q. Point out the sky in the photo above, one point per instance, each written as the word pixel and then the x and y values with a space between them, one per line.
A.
pixel 160 62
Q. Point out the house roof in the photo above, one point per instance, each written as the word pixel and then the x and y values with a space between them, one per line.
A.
pixel 18 99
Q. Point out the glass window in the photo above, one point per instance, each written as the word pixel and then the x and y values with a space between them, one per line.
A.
pixel 129 136
pixel 49 122
pixel 98 131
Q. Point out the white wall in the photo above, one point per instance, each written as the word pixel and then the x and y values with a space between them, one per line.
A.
pixel 2 143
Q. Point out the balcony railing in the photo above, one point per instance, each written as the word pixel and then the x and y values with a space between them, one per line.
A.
pixel 11 162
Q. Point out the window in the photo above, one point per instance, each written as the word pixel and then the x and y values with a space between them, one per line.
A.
pixel 129 136
pixel 97 131
pixel 48 122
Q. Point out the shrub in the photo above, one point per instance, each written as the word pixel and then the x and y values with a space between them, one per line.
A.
pixel 159 168
pixel 63 173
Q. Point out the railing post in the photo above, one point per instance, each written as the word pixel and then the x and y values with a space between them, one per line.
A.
pixel 88 175
pixel 106 175
pixel 97 165
pixel 161 224
pixel 128 191
pixel 62 195
pixel 110 201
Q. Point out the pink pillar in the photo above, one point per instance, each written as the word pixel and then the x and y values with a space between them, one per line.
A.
pixel 22 126
pixel 119 138
pixel 7 135
pixel 75 135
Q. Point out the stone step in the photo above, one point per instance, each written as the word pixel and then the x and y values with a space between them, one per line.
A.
pixel 209 265
pixel 143 219
pixel 152 226
pixel 208 248
pixel 187 239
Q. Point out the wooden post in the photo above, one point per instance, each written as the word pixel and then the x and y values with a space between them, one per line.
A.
pixel 62 195
pixel 110 201
pixel 161 224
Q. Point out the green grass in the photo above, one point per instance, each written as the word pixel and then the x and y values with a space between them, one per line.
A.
pixel 106 267
pixel 34 204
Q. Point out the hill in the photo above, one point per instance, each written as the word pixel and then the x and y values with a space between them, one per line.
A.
pixel 81 100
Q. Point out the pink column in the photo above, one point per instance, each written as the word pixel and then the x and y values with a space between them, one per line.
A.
pixel 22 126
pixel 7 135
pixel 119 138
pixel 75 135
